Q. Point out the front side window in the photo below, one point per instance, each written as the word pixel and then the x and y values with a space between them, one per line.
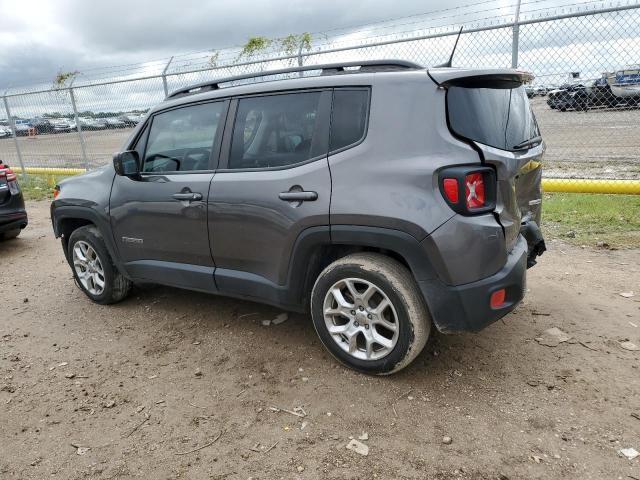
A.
pixel 276 131
pixel 348 117
pixel 498 117
pixel 182 139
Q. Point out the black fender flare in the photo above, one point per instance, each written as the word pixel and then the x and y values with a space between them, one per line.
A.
pixel 59 213
pixel 304 257
pixel 397 241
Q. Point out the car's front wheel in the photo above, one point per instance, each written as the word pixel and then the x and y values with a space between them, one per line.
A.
pixel 93 268
pixel 369 313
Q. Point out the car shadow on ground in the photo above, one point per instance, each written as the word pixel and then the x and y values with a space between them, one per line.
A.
pixel 175 315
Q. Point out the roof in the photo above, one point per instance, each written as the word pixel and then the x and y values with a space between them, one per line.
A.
pixel 367 66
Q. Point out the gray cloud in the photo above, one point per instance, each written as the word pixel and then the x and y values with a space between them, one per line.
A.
pixel 98 34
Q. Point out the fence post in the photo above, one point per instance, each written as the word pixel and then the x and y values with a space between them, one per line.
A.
pixel 516 37
pixel 12 124
pixel 164 78
pixel 79 128
pixel 300 59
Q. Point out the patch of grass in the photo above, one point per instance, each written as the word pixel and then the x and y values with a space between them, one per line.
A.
pixel 38 187
pixel 586 218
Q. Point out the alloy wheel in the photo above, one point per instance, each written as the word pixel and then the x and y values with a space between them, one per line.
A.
pixel 361 319
pixel 88 268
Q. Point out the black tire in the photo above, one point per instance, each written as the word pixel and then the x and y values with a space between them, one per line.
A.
pixel 397 283
pixel 116 286
pixel 10 234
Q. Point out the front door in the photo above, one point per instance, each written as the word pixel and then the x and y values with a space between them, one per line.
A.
pixel 159 220
pixel 273 183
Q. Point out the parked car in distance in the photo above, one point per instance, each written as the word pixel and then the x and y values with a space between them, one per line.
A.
pixel 582 96
pixel 87 123
pixel 130 120
pixel 111 122
pixel 13 215
pixel 41 125
pixel 567 96
pixel 5 131
pixel 22 127
pixel 330 194
pixel 62 125
pixel 540 90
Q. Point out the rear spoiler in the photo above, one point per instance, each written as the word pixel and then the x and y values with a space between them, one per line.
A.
pixel 479 78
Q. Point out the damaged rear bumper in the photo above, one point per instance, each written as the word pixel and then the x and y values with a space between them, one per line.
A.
pixel 535 242
pixel 467 308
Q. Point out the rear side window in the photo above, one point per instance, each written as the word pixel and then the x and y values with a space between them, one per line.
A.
pixel 182 139
pixel 276 131
pixel 348 117
pixel 498 117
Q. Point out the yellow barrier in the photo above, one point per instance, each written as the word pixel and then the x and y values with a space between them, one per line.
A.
pixel 582 185
pixel 51 171
pixel 568 185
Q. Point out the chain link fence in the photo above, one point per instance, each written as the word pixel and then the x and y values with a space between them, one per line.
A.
pixel 586 92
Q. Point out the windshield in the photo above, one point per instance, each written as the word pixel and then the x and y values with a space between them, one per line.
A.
pixel 498 117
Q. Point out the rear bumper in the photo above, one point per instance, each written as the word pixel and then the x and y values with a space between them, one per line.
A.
pixel 466 308
pixel 12 221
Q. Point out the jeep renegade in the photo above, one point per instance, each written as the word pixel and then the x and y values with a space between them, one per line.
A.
pixel 382 197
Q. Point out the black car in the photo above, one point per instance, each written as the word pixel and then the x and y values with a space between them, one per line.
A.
pixel 569 96
pixel 582 96
pixel 42 125
pixel 13 216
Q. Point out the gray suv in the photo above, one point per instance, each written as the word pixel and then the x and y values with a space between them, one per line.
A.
pixel 382 197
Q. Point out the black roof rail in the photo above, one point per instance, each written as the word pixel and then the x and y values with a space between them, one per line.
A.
pixel 327 69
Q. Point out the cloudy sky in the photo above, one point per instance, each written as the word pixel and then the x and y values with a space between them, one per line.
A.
pixel 41 37
pixel 125 39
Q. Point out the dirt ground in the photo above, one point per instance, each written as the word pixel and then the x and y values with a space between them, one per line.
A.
pixel 142 389
pixel 599 143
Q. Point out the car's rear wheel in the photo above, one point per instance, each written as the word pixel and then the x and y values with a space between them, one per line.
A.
pixel 369 313
pixel 10 234
pixel 93 268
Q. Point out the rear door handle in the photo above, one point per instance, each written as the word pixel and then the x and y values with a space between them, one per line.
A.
pixel 189 196
pixel 295 196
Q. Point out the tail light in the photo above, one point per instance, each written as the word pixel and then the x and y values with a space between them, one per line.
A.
pixel 56 191
pixel 5 171
pixel 450 187
pixel 497 298
pixel 474 190
pixel 469 190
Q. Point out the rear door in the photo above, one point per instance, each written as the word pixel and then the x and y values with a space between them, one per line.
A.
pixel 159 220
pixel 272 184
pixel 495 114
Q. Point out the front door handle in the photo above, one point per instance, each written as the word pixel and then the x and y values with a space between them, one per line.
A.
pixel 189 196
pixel 298 196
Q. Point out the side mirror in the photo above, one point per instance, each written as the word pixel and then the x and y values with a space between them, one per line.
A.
pixel 127 164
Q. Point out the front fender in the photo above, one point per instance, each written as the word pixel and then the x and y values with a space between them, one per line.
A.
pixel 61 212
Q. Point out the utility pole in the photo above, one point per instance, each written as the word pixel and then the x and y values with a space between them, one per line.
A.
pixel 14 134
pixel 164 78
pixel 516 37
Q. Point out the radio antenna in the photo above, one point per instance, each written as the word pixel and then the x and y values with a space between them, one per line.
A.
pixel 449 63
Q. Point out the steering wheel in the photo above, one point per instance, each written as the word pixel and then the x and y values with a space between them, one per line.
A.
pixel 198 151
pixel 173 159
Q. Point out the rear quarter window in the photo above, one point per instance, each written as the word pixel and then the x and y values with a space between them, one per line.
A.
pixel 348 117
